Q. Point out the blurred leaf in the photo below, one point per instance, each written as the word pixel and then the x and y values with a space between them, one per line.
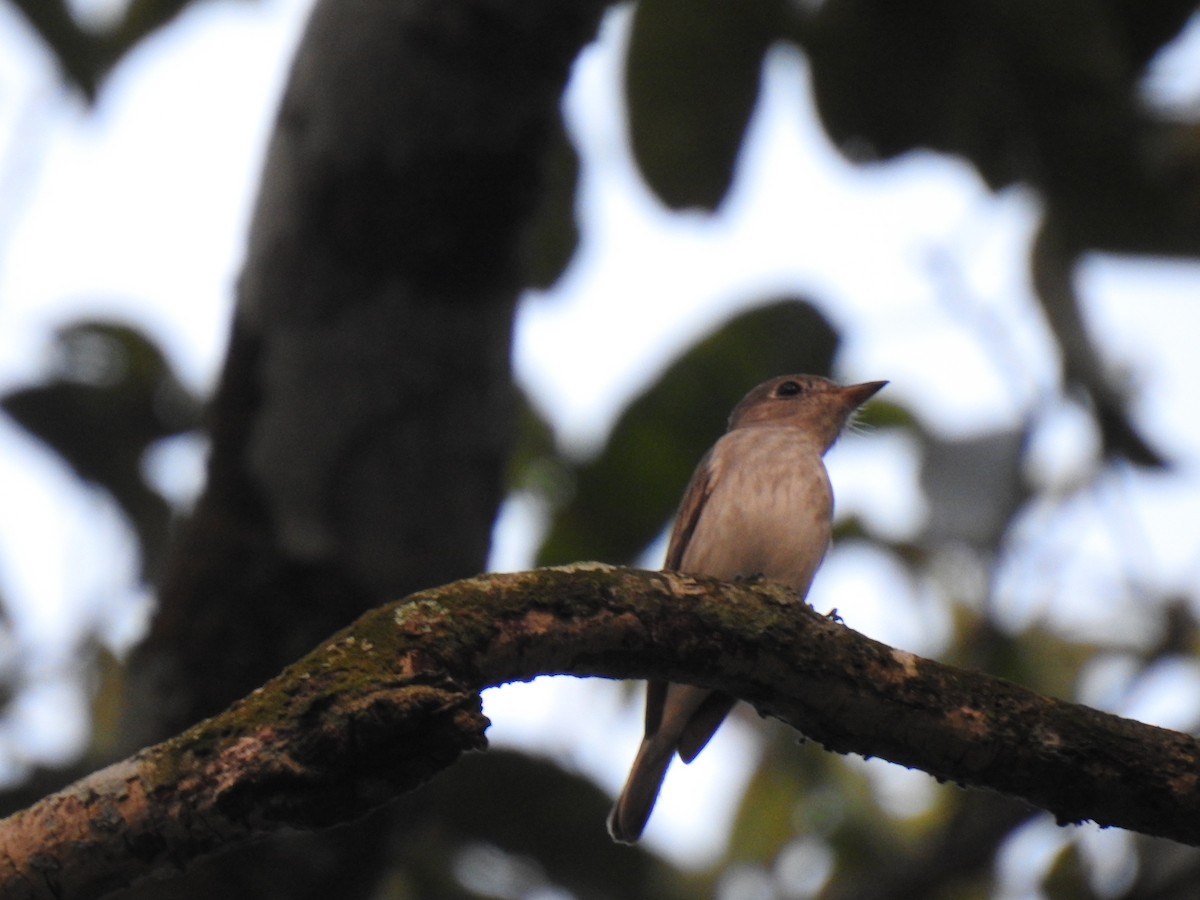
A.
pixel 1067 879
pixel 1044 93
pixel 1046 662
pixel 961 78
pixel 110 395
pixel 882 92
pixel 779 798
pixel 108 686
pixel 624 498
pixel 952 858
pixel 87 54
pixel 973 487
pixel 77 51
pixel 144 17
pixel 1148 27
pixel 534 463
pixel 1166 871
pixel 882 413
pixel 553 233
pixel 691 82
pixel 1036 657
pixel 1053 270
pixel 530 809
pixel 14 660
pixel 853 528
pixel 1180 630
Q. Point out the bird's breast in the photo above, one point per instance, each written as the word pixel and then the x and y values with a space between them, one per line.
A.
pixel 768 512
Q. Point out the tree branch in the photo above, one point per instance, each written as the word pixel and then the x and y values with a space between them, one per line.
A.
pixel 394 698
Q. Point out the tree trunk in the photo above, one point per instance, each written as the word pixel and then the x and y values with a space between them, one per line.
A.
pixel 360 429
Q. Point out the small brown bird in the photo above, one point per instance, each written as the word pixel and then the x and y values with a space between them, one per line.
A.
pixel 758 505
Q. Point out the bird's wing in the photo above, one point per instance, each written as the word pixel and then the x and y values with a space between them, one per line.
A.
pixel 694 498
pixel 703 724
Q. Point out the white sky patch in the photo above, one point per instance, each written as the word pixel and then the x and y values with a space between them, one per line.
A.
pixel 140 208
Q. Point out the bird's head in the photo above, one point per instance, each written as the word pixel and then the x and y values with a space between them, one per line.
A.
pixel 810 402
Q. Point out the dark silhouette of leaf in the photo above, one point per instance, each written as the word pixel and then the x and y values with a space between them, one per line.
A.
pixel 691 82
pixel 110 394
pixel 86 53
pixel 1042 93
pixel 531 810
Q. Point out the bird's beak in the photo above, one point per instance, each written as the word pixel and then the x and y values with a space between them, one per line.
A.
pixel 856 395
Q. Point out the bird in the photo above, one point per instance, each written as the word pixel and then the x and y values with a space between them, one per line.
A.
pixel 759 505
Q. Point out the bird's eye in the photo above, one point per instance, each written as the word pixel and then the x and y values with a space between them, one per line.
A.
pixel 789 389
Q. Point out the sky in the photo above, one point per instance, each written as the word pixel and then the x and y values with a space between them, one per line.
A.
pixel 139 209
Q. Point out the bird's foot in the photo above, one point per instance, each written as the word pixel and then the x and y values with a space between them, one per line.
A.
pixel 751 578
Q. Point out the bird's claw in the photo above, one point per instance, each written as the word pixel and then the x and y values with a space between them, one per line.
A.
pixel 751 578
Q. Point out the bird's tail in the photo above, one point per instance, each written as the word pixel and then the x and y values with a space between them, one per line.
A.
pixel 633 807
